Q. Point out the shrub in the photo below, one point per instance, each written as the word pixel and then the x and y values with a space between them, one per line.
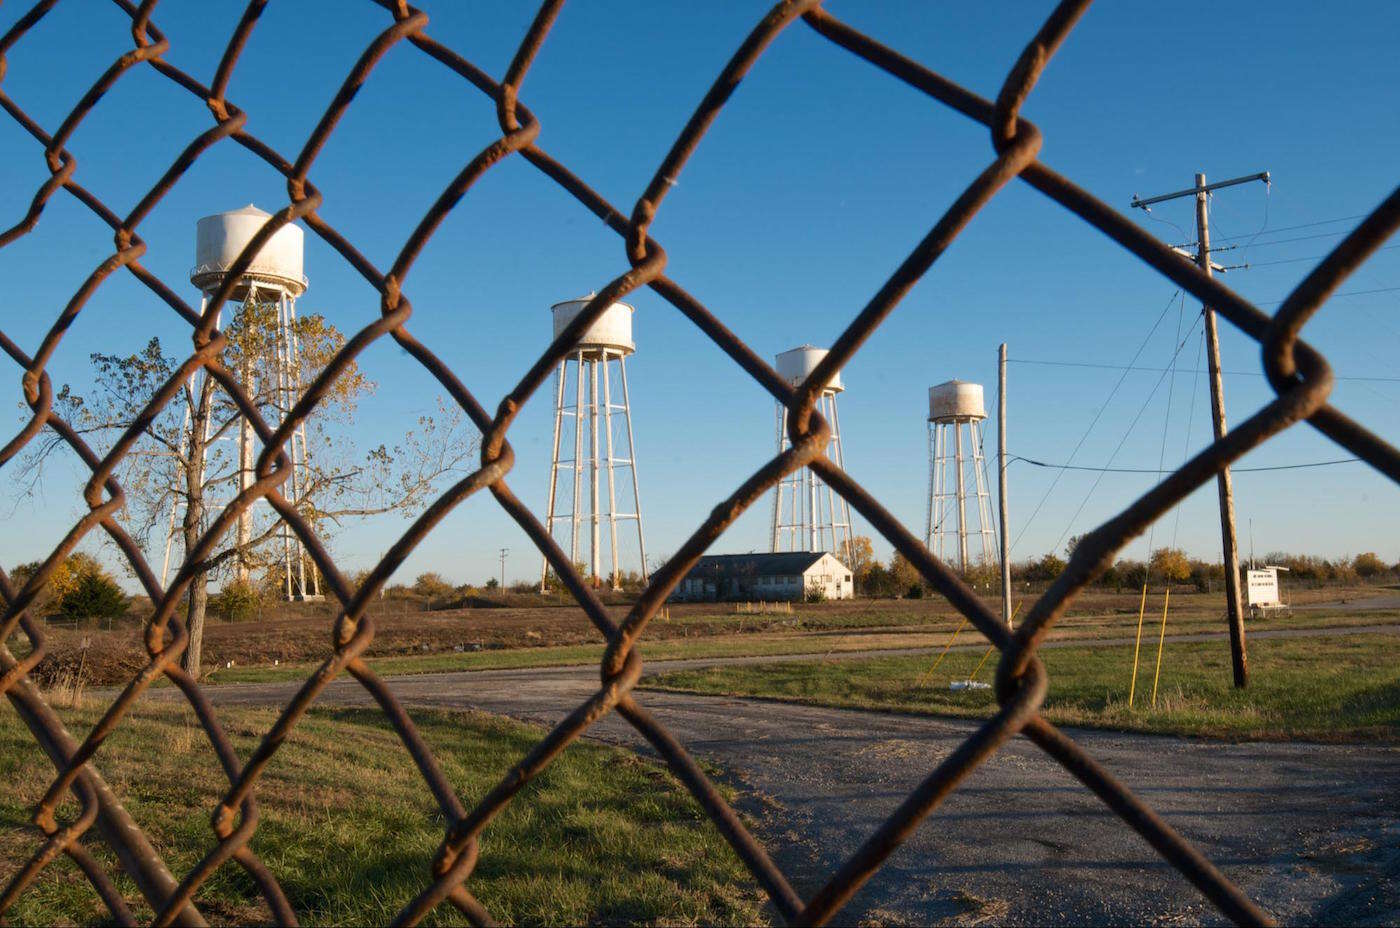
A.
pixel 432 585
pixel 916 591
pixel 815 594
pixel 237 602
pixel 1368 565
pixel 93 595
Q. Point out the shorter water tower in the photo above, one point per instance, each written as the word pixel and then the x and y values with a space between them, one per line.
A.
pixel 264 299
pixel 591 427
pixel 807 514
pixel 956 412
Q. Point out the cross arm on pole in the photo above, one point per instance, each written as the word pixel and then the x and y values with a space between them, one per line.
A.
pixel 1139 203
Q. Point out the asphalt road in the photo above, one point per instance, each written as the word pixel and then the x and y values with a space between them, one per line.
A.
pixel 1311 831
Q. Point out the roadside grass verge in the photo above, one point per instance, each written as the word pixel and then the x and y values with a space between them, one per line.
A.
pixel 350 829
pixel 1313 688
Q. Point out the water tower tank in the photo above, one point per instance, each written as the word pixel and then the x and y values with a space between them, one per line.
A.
pixel 794 366
pixel 956 401
pixel 220 238
pixel 612 330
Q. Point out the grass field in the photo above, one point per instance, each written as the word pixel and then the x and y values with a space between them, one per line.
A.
pixel 349 828
pixel 1324 688
pixel 467 639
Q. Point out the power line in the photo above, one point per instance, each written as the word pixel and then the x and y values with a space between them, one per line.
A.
pixel 1158 370
pixel 1153 470
pixel 1304 258
pixel 1131 425
pixel 1305 225
pixel 1085 437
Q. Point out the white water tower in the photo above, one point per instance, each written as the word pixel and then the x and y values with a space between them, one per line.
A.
pixel 956 412
pixel 266 291
pixel 807 514
pixel 591 427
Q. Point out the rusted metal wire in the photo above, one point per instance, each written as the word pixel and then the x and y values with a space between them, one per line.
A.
pixel 1299 375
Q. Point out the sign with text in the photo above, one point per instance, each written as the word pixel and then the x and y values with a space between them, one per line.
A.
pixel 1262 587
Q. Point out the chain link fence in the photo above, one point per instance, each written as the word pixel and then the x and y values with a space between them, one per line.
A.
pixel 1299 375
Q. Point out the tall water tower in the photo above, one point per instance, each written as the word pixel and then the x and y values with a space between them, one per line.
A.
pixel 588 418
pixel 955 410
pixel 807 514
pixel 267 292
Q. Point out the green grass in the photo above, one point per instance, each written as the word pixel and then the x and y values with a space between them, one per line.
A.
pixel 349 828
pixel 1325 688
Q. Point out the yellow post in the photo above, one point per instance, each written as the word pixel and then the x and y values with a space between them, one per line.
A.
pixel 926 674
pixel 1160 638
pixel 1132 685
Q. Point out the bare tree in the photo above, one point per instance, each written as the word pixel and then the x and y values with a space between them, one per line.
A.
pixel 187 461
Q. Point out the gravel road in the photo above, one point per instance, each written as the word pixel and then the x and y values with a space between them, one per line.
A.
pixel 1311 831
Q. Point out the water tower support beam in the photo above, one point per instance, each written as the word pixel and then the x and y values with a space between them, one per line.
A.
pixel 632 466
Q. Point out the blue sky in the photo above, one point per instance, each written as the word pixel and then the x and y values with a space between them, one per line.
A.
pixel 811 187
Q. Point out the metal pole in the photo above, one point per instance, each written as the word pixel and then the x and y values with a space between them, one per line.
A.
pixel 841 500
pixel 778 490
pixel 595 541
pixel 553 469
pixel 612 488
pixel 504 552
pixel 1001 486
pixel 578 458
pixel 932 429
pixel 1223 482
pixel 962 496
pixel 632 465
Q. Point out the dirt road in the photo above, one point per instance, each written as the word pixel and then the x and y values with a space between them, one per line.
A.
pixel 1310 831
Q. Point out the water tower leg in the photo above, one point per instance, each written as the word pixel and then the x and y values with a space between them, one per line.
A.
pixel 578 459
pixel 932 488
pixel 632 465
pixel 782 483
pixel 615 574
pixel 962 497
pixel 841 500
pixel 553 468
pixel 595 540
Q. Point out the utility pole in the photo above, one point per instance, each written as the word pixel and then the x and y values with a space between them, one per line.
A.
pixel 1001 485
pixel 1230 548
pixel 504 552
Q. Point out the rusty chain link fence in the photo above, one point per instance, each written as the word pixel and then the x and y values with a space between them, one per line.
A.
pixel 1299 375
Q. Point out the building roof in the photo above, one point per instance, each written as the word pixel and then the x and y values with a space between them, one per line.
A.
pixel 779 564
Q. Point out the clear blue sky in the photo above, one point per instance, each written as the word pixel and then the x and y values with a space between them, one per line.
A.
pixel 812 185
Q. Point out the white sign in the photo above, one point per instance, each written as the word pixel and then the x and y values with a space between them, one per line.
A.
pixel 1262 587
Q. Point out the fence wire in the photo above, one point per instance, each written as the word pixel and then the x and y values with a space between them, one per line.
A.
pixel 1299 375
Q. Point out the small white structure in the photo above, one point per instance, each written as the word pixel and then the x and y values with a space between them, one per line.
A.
pixel 584 410
pixel 788 575
pixel 956 410
pixel 269 286
pixel 807 514
pixel 1262 590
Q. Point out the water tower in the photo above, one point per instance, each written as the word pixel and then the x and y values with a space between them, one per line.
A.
pixel 267 291
pixel 955 415
pixel 807 514
pixel 588 418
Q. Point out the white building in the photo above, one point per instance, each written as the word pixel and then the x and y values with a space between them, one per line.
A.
pixel 789 575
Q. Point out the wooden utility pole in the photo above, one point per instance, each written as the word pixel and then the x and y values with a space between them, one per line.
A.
pixel 1001 485
pixel 1230 548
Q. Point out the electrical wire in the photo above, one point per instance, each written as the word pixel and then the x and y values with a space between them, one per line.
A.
pixel 1250 264
pixel 1121 442
pixel 1085 437
pixel 1150 470
pixel 1157 370
pixel 1304 225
